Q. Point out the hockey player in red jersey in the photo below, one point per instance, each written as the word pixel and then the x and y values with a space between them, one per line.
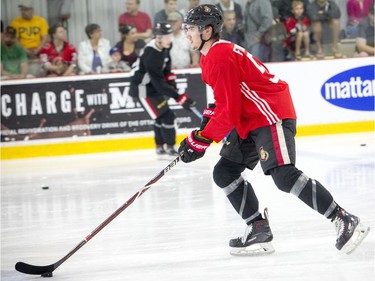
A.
pixel 256 107
pixel 153 83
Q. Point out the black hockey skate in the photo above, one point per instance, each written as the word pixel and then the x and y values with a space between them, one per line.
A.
pixel 256 240
pixel 350 232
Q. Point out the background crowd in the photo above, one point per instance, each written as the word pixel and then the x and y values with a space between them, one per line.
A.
pixel 33 45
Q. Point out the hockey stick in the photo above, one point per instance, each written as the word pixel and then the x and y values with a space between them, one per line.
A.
pixel 46 271
pixel 196 112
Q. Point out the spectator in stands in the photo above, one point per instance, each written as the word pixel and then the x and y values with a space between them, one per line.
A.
pixel 115 64
pixel 322 12
pixel 230 5
pixel 13 56
pixel 298 28
pixel 192 4
pixel 357 10
pixel 129 45
pixel 93 53
pixel 258 18
pixel 365 37
pixel 32 30
pixel 2 30
pixel 285 8
pixel 169 7
pixel 230 30
pixel 58 12
pixel 181 54
pixel 140 20
pixel 58 57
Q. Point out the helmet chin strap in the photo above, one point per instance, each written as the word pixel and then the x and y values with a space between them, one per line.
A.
pixel 203 41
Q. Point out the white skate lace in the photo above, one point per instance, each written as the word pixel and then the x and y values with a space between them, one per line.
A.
pixel 248 231
pixel 339 225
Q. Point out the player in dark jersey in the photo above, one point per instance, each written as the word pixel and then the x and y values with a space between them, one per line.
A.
pixel 153 83
pixel 256 107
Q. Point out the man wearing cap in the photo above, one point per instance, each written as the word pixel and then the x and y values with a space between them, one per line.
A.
pixel 181 54
pixel 13 56
pixel 32 31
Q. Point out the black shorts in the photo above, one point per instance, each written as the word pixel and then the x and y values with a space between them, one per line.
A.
pixel 272 145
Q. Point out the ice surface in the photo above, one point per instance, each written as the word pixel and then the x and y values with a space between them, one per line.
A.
pixel 180 228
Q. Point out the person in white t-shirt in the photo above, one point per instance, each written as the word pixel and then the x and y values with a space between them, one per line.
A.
pixel 181 54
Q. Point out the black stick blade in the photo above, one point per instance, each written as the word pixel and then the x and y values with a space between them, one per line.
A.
pixel 34 269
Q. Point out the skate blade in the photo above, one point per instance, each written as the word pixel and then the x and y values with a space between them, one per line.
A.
pixel 259 249
pixel 359 234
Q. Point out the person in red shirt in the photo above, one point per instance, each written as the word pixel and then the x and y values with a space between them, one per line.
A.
pixel 256 107
pixel 58 57
pixel 140 20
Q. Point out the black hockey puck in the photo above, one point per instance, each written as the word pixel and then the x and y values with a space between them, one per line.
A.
pixel 45 187
pixel 47 274
pixel 363 144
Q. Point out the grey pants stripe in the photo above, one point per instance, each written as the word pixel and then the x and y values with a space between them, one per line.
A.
pixel 233 186
pixel 252 217
pixel 299 185
pixel 244 196
pixel 314 201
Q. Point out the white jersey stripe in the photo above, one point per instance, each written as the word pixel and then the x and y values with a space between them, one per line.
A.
pixel 261 104
pixel 269 110
pixel 257 105
pixel 282 142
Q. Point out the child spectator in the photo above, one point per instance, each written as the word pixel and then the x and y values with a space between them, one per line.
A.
pixel 93 53
pixel 365 38
pixel 285 8
pixel 130 46
pixel 116 64
pixel 13 56
pixel 140 20
pixel 59 57
pixel 298 28
pixel 357 10
pixel 322 12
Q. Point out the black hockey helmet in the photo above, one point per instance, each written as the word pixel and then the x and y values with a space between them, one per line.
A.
pixel 163 28
pixel 205 15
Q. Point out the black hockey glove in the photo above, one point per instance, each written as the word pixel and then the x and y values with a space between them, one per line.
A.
pixel 208 112
pixel 186 102
pixel 193 147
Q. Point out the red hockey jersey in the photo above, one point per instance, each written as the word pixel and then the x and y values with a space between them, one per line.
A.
pixel 247 95
pixel 67 55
